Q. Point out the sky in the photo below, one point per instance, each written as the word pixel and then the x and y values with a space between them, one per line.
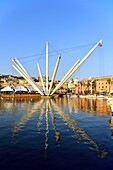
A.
pixel 73 25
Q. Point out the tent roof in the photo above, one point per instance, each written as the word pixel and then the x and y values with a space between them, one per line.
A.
pixel 111 91
pixel 7 88
pixel 20 88
pixel 30 88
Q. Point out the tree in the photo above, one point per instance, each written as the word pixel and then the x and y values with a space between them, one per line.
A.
pixel 81 86
pixel 94 85
pixel 109 82
pixel 88 86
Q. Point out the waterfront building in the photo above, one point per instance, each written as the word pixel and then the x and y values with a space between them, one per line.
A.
pixel 96 85
pixel 104 84
pixel 86 86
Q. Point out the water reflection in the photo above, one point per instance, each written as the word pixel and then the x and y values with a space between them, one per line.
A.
pixel 21 124
pixel 64 108
pixel 57 133
pixel 39 123
pixel 111 125
pixel 98 107
pixel 80 133
pixel 47 125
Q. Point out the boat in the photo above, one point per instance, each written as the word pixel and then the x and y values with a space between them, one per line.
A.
pixel 110 103
pixel 92 96
pixel 100 97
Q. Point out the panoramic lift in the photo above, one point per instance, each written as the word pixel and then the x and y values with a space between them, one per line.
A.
pixel 47 89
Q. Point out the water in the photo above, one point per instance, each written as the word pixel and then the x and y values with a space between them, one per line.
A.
pixel 56 134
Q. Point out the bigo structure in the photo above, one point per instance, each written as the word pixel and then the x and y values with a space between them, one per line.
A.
pixel 47 89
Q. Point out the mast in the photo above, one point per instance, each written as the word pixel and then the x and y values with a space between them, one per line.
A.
pixel 47 68
pixel 40 74
pixel 54 73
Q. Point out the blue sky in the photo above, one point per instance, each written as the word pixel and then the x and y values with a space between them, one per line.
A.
pixel 25 26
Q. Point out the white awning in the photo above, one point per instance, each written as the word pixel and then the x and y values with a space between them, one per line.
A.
pixel 111 91
pixel 30 88
pixel 7 88
pixel 20 88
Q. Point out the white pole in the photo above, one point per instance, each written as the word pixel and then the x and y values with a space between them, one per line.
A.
pixel 65 77
pixel 54 73
pixel 32 84
pixel 17 69
pixel 47 68
pixel 22 71
pixel 17 63
pixel 27 77
pixel 16 60
pixel 40 74
pixel 77 66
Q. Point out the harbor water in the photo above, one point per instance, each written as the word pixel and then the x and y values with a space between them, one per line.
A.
pixel 63 133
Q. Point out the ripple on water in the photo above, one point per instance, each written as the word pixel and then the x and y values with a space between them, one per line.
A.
pixel 50 134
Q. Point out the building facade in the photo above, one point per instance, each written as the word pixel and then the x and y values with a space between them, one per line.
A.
pixel 85 86
pixel 96 85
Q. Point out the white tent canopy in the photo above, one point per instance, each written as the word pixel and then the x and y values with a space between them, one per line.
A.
pixel 7 89
pixel 20 88
pixel 111 91
pixel 31 89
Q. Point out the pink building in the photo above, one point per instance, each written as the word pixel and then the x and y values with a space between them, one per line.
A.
pixel 95 85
